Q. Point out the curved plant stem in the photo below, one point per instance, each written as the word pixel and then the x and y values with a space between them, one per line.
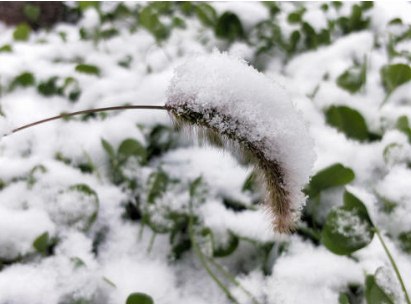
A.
pixel 88 111
pixel 152 239
pixel 232 279
pixel 394 265
pixel 202 258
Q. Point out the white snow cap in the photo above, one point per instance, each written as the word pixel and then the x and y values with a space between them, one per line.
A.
pixel 260 108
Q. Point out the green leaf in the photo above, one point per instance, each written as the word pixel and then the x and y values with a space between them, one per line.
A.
pixel 296 16
pixel 32 12
pixel 404 126
pixel 149 19
pixel 374 294
pixel 158 182
pixel 25 79
pixel 108 148
pixel 108 33
pixel 139 298
pixel 22 32
pixel 249 183
pixel 6 48
pixel 94 200
pixel 160 139
pixel 353 79
pixel 348 121
pixel 77 262
pixel 41 243
pixel 229 27
pixel 206 14
pixel 405 240
pixel 347 228
pixel 223 251
pixel 49 87
pixel 84 5
pixel 311 39
pixel 88 69
pixel 194 186
pixel 132 148
pixel 332 176
pixel 343 299
pixel 395 75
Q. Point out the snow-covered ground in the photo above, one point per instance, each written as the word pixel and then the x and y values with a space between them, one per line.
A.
pixel 95 208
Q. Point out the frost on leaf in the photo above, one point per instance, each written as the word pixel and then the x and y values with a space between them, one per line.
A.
pixel 232 105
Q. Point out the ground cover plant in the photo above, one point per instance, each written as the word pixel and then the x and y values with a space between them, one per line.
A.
pixel 120 207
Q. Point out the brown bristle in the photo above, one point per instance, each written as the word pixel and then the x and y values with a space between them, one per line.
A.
pixel 271 174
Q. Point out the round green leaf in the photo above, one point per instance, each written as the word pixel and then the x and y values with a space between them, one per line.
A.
pixel 139 298
pixel 347 228
pixel 229 27
pixel 395 75
pixel 22 32
pixel 131 147
pixel 332 176
pixel 348 121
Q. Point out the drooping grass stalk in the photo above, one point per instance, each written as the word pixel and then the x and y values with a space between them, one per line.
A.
pixel 394 265
pixel 88 111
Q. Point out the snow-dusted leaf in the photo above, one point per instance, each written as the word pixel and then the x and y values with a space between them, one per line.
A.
pixel 77 206
pixel 353 79
pixel 374 294
pixel 157 185
pixel 347 228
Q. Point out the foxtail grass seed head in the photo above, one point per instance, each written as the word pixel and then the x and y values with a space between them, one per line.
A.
pixel 233 105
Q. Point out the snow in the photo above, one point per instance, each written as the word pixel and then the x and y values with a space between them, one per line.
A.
pixel 301 275
pixel 5 127
pixel 26 226
pixel 117 255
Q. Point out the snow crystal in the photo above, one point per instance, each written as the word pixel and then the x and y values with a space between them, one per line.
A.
pixel 219 81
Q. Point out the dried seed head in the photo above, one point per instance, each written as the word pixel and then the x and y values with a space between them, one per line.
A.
pixel 233 105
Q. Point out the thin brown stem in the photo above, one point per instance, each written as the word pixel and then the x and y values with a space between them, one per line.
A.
pixel 88 111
